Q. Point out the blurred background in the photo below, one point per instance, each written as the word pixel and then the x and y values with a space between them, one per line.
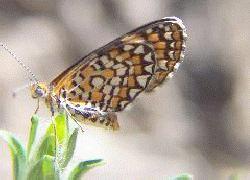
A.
pixel 197 122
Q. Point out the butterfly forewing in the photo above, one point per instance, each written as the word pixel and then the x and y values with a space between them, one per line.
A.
pixel 111 77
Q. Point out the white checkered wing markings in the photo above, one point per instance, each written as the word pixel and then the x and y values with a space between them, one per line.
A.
pixel 114 76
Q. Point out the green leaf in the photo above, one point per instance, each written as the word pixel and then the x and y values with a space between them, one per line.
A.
pixel 70 148
pixel 33 130
pixel 18 154
pixel 47 147
pixel 61 127
pixel 83 167
pixel 45 169
pixel 183 177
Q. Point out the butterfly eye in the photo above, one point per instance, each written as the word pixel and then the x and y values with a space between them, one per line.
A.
pixel 39 91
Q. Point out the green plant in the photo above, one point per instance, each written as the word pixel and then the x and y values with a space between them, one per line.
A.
pixel 46 158
pixel 182 177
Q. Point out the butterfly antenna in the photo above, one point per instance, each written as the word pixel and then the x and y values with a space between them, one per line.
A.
pixel 31 75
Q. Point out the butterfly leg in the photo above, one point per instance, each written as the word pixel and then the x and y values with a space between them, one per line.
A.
pixel 72 117
pixel 37 107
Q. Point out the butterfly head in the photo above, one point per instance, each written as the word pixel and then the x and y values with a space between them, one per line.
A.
pixel 39 89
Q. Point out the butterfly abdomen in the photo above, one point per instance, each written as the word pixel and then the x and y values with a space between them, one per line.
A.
pixel 85 113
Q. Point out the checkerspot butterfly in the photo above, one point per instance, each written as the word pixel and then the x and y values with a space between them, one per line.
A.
pixel 110 78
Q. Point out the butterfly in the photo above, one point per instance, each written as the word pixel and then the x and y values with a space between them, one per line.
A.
pixel 108 79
